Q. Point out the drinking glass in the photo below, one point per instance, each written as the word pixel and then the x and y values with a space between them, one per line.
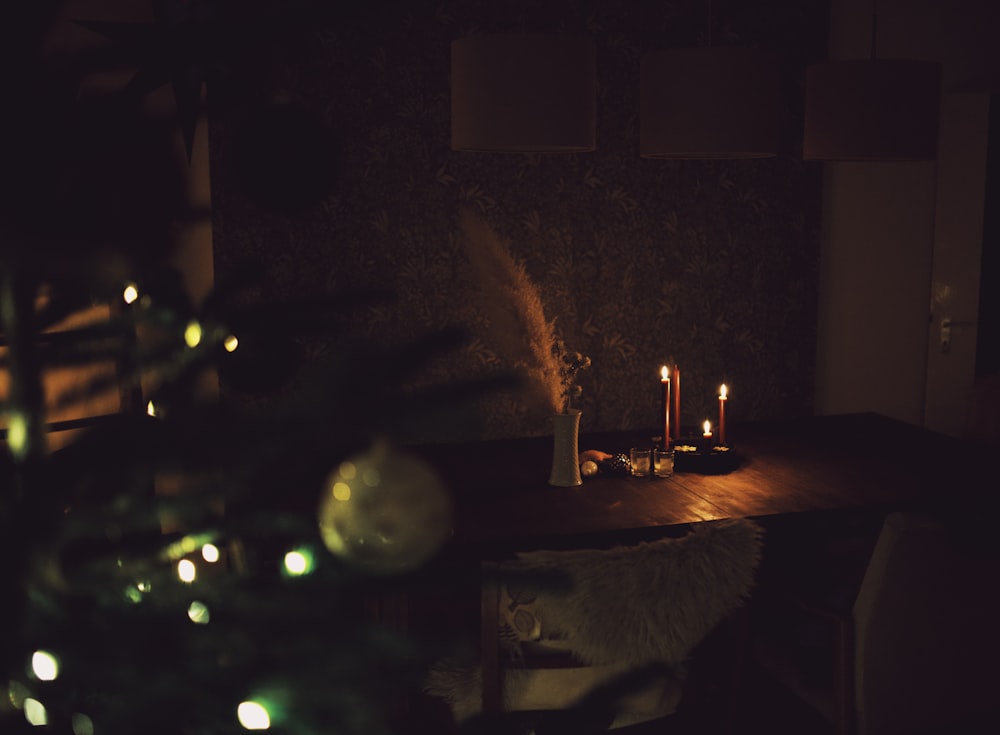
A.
pixel 640 461
pixel 663 462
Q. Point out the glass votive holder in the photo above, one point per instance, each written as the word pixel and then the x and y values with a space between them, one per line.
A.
pixel 639 459
pixel 663 462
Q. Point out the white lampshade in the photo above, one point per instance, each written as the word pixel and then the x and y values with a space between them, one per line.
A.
pixel 523 93
pixel 872 110
pixel 708 102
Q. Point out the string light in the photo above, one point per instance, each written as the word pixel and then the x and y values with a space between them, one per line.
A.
pixel 186 570
pixel 44 665
pixel 35 712
pixel 198 613
pixel 17 433
pixel 186 545
pixel 82 725
pixel 298 562
pixel 135 592
pixel 210 553
pixel 230 343
pixel 253 716
pixel 192 334
pixel 130 294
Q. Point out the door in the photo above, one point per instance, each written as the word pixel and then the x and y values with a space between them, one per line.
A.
pixel 955 319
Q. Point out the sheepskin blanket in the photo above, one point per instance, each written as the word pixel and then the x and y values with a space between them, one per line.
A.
pixel 628 605
pixel 649 602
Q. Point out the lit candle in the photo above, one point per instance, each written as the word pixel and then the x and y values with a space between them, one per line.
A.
pixel 723 394
pixel 665 382
pixel 677 402
pixel 707 429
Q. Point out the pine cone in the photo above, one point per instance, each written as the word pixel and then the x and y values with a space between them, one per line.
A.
pixel 619 464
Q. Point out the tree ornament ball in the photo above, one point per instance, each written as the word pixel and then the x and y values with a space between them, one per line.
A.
pixel 385 511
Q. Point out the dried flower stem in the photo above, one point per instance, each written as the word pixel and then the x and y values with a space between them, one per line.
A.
pixel 517 322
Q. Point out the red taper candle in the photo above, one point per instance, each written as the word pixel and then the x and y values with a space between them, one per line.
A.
pixel 723 395
pixel 665 382
pixel 677 402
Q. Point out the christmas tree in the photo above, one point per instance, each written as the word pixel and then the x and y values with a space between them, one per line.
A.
pixel 186 563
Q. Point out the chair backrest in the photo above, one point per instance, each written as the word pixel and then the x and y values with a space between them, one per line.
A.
pixel 649 602
pixel 624 608
pixel 927 630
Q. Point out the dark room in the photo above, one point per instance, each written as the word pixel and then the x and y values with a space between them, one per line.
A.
pixel 466 367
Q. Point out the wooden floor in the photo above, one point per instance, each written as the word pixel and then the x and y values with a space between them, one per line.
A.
pixel 763 706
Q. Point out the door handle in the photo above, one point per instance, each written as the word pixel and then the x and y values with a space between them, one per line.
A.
pixel 946 326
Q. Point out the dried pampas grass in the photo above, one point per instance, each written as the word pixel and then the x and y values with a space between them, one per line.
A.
pixel 518 327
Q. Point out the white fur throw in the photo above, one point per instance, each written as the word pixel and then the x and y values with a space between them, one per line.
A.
pixel 628 605
pixel 652 601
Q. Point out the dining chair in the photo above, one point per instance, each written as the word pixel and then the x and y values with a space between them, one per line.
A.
pixel 606 633
pixel 918 648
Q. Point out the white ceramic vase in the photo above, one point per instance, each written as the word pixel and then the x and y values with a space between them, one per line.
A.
pixel 565 449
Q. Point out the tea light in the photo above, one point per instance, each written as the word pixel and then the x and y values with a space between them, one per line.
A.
pixel 706 429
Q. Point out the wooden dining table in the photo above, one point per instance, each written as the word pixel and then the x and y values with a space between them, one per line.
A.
pixel 779 469
pixel 865 461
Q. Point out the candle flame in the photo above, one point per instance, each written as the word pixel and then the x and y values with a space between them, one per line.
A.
pixel 723 391
pixel 664 373
pixel 707 426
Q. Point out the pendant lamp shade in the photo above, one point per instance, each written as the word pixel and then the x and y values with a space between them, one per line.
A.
pixel 708 102
pixel 523 93
pixel 872 110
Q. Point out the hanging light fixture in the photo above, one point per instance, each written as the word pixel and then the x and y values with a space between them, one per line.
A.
pixel 872 110
pixel 708 102
pixel 523 93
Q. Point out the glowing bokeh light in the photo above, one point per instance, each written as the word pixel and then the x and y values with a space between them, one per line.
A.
pixel 253 716
pixel 192 334
pixel 186 545
pixel 198 613
pixel 230 343
pixel 298 562
pixel 150 409
pixel 210 553
pixel 186 570
pixel 392 511
pixel 34 712
pixel 17 433
pixel 82 725
pixel 17 693
pixel 130 294
pixel 342 491
pixel 44 665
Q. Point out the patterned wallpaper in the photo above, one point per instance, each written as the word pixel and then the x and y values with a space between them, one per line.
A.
pixel 350 182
